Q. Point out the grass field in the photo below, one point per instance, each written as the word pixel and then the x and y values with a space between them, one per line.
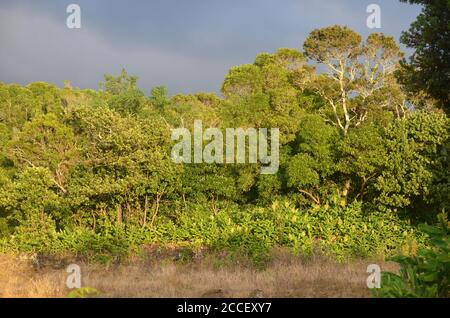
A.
pixel 211 276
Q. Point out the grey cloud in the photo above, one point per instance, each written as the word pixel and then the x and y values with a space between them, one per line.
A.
pixel 41 49
pixel 187 45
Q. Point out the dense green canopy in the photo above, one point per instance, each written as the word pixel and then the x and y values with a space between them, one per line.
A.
pixel 79 166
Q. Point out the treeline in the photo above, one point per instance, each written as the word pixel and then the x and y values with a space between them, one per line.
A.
pixel 362 159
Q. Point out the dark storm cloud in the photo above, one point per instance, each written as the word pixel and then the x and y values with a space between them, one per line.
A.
pixel 187 45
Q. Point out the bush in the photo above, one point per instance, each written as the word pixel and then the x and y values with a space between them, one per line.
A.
pixel 341 232
pixel 36 234
pixel 84 292
pixel 425 275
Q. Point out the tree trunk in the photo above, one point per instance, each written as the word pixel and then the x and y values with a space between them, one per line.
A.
pixel 144 222
pixel 119 214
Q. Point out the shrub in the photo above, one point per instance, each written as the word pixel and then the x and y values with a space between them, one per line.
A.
pixel 425 275
pixel 84 292
pixel 36 234
pixel 342 232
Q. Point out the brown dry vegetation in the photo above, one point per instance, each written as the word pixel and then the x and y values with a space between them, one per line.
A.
pixel 286 276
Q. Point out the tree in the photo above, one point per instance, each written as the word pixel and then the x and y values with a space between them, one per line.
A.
pixel 31 194
pixel 117 85
pixel 361 156
pixel 411 173
pixel 125 167
pixel 159 97
pixel 267 92
pixel 358 72
pixel 183 110
pixel 209 183
pixel 124 96
pixel 428 69
pixel 47 97
pixel 17 105
pixel 45 142
pixel 312 165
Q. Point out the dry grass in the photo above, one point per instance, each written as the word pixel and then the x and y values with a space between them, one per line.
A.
pixel 19 279
pixel 287 276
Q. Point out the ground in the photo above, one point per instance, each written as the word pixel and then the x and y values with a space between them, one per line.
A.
pixel 208 276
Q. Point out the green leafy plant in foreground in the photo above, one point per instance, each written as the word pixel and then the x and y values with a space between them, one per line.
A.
pixel 84 292
pixel 426 275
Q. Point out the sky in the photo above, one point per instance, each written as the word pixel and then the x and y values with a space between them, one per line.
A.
pixel 186 45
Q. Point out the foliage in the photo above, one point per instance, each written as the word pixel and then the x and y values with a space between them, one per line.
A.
pixel 159 97
pixel 359 82
pixel 84 292
pixel 429 67
pixel 90 172
pixel 412 160
pixel 342 233
pixel 426 274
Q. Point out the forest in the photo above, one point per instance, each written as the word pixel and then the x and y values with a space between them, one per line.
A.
pixel 364 158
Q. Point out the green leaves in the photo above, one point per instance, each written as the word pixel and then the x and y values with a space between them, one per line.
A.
pixel 301 171
pixel 90 171
pixel 122 93
pixel 45 142
pixel 333 42
pixel 266 93
pixel 313 161
pixel 242 81
pixel 33 192
pixel 426 274
pixel 412 162
pixel 359 82
pixel 428 68
pixel 125 165
pixel 120 84
pixel 159 97
pixel 84 292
